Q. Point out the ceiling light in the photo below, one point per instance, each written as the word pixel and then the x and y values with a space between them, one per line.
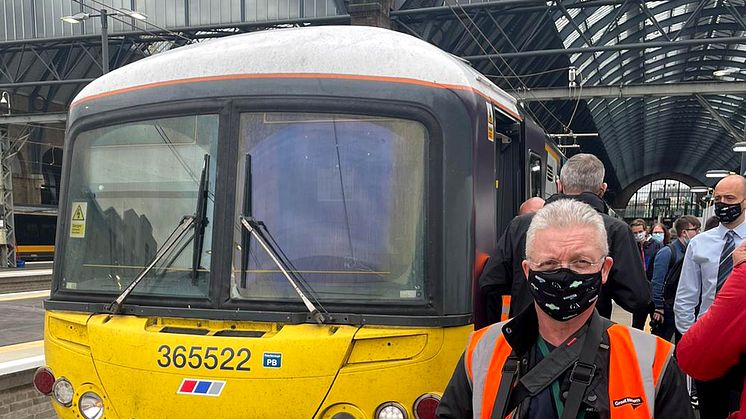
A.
pixel 717 173
pixel 699 189
pixel 76 18
pixel 739 147
pixel 725 72
pixel 133 14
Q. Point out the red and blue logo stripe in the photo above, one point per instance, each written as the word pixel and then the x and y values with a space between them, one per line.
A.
pixel 201 387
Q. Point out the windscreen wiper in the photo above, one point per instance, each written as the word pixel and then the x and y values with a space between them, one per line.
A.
pixel 254 228
pixel 247 208
pixel 200 215
pixel 198 221
pixel 179 232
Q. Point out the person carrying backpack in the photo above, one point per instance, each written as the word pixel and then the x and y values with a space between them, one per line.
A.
pixel 666 271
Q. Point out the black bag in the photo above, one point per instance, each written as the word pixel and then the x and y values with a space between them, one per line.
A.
pixel 671 282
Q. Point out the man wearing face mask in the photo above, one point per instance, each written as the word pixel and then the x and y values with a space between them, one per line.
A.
pixel 559 359
pixel 667 260
pixel 707 264
pixel 581 179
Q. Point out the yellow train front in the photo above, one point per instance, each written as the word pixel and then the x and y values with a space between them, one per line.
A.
pixel 282 224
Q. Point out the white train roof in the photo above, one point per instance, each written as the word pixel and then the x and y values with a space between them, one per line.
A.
pixel 345 51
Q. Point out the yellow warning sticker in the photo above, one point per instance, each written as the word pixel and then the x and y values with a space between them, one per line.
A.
pixel 77 219
pixel 78 215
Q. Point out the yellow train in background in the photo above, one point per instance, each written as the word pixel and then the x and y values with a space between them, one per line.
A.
pixel 35 228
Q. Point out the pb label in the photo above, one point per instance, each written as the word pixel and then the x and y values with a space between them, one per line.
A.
pixel 272 360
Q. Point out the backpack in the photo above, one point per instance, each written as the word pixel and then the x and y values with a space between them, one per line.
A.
pixel 671 282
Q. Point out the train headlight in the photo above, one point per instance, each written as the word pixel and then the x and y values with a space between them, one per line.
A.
pixel 391 410
pixel 63 392
pixel 91 405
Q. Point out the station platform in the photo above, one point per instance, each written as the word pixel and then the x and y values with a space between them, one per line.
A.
pixel 22 318
pixel 22 322
pixel 35 276
pixel 22 292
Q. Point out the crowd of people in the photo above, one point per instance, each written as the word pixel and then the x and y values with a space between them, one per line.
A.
pixel 559 355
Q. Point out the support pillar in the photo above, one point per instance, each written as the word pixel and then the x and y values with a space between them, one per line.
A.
pixel 7 222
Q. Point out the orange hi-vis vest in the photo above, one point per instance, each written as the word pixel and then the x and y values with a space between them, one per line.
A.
pixel 636 364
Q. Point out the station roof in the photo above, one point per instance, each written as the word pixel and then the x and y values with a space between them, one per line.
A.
pixel 647 81
pixel 667 132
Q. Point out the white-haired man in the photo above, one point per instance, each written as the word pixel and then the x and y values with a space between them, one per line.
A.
pixel 560 359
pixel 581 179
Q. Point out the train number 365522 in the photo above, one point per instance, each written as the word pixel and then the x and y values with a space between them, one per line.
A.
pixel 210 357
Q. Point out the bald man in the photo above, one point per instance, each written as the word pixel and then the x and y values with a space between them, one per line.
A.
pixel 531 205
pixel 707 264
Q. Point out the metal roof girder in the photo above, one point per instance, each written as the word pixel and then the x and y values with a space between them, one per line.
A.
pixel 618 47
pixel 540 5
pixel 614 21
pixel 574 24
pixel 655 22
pixel 534 32
pixel 636 90
pixel 618 72
pixel 500 29
pixel 633 23
pixel 692 16
pixel 51 68
pixel 4 69
pixel 22 71
pixel 44 83
pixel 723 122
pixel 409 29
pixel 43 118
pixel 736 14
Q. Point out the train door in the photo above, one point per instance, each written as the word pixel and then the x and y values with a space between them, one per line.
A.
pixel 508 171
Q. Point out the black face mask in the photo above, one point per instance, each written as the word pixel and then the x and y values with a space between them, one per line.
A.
pixel 564 294
pixel 727 213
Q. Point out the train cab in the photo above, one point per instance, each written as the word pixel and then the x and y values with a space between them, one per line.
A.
pixel 278 224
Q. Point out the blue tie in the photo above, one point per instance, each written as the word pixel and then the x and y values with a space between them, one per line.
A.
pixel 726 260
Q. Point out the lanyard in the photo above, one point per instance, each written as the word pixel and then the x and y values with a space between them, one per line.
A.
pixel 555 387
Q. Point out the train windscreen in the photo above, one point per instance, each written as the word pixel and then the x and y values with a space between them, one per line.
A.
pixel 343 198
pixel 130 187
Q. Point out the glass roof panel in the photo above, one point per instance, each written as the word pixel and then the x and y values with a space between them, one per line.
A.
pixel 561 22
pixel 599 13
pixel 650 120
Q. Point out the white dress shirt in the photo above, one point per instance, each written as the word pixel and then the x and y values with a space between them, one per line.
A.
pixel 699 274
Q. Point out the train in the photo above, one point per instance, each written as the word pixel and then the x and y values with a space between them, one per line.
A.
pixel 35 229
pixel 287 223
